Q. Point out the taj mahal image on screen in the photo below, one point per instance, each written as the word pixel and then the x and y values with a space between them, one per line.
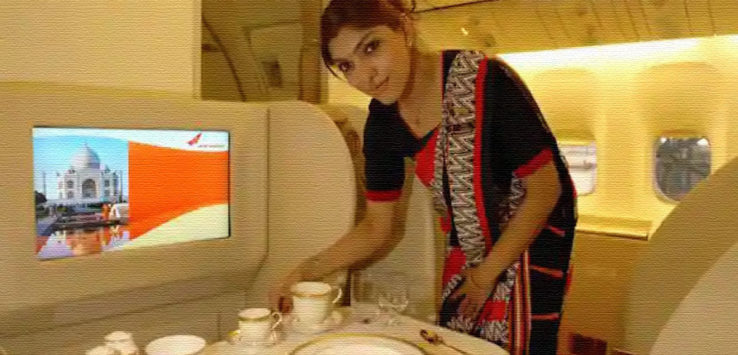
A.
pixel 87 180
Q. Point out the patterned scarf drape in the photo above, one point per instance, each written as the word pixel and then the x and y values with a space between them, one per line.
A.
pixel 457 156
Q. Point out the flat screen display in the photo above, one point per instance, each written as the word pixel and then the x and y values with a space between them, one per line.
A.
pixel 100 190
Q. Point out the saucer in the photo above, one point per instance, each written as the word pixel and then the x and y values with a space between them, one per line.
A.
pixel 334 320
pixel 258 347
pixel 234 338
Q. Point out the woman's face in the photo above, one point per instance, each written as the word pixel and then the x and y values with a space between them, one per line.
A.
pixel 374 60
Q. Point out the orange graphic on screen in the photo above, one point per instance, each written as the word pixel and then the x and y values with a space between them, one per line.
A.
pixel 166 183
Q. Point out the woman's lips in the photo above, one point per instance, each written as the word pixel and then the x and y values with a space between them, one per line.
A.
pixel 380 88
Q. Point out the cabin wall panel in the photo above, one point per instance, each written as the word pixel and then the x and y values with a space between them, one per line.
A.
pixel 151 45
pixel 602 267
pixel 210 318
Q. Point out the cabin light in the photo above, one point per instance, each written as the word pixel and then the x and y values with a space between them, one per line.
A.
pixel 703 143
pixel 464 31
pixel 662 140
pixel 620 51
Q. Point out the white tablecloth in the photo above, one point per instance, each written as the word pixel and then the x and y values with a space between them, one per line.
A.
pixel 408 329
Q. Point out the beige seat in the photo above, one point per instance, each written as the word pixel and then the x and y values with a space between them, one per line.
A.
pixel 683 298
pixel 311 190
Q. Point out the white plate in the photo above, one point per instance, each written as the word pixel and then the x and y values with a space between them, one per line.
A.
pixel 332 322
pixel 357 343
pixel 176 345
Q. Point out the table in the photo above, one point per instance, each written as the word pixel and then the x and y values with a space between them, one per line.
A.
pixel 408 329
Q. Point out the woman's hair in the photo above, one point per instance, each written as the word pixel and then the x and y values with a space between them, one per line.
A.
pixel 360 14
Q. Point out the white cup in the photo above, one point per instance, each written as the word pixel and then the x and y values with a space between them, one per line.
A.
pixel 312 302
pixel 256 325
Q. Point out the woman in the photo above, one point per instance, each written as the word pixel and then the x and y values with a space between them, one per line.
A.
pixel 480 143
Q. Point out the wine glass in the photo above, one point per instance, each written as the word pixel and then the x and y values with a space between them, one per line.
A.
pixel 364 295
pixel 393 295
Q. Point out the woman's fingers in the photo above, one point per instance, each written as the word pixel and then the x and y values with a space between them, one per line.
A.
pixel 277 297
pixel 471 310
pixel 285 304
pixel 463 305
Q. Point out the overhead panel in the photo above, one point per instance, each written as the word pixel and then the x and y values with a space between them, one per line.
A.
pixel 611 29
pixel 725 15
pixel 449 29
pixel 580 23
pixel 552 22
pixel 518 26
pixel 620 15
pixel 637 18
pixel 698 15
pixel 526 25
pixel 667 18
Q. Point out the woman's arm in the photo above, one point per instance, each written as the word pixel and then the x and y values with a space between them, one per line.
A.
pixel 370 235
pixel 367 237
pixel 542 192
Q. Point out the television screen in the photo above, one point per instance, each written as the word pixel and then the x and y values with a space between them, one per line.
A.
pixel 100 190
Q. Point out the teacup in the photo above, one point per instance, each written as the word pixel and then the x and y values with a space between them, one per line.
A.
pixel 257 324
pixel 312 302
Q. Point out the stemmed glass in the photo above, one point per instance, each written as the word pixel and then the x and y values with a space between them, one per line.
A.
pixel 393 295
pixel 364 295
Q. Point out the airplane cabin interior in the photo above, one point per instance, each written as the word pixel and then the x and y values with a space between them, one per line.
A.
pixel 183 156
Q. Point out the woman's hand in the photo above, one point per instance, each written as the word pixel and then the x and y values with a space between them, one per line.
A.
pixel 474 295
pixel 279 294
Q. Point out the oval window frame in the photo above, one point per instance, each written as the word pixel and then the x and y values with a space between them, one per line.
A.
pixel 692 140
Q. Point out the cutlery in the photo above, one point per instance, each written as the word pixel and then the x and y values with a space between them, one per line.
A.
pixel 436 339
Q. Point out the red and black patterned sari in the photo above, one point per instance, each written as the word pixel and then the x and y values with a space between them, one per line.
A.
pixel 492 135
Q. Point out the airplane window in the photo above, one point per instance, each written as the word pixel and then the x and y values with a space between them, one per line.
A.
pixel 582 161
pixel 680 163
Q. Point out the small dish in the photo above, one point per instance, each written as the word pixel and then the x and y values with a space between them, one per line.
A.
pixel 176 345
pixel 334 320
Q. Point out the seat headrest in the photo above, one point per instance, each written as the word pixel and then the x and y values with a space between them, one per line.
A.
pixel 680 284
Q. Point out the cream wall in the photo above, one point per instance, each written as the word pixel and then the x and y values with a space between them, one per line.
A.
pixel 149 45
pixel 624 97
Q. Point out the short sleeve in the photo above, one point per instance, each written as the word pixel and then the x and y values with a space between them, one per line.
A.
pixel 384 166
pixel 521 133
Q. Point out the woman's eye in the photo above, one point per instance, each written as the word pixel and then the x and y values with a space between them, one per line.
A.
pixel 371 46
pixel 345 67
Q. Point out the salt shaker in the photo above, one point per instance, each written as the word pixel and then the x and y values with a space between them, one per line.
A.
pixel 122 343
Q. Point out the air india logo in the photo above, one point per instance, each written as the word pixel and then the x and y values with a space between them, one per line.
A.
pixel 194 141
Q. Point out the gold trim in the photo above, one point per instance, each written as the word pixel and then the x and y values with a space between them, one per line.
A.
pixel 250 320
pixel 310 295
pixel 348 335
